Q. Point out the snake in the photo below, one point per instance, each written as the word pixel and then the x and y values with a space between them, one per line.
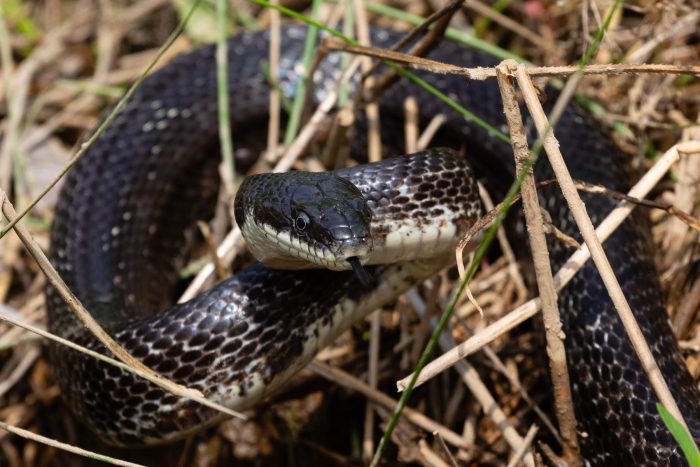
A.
pixel 125 220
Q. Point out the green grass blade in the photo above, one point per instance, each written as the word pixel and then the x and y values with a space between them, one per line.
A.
pixel 681 435
pixel 202 25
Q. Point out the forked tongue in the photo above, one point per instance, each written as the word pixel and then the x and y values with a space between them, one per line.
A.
pixel 363 276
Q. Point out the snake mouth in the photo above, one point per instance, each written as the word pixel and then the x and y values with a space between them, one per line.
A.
pixel 343 253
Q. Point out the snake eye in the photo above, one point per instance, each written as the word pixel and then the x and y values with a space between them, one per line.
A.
pixel 302 221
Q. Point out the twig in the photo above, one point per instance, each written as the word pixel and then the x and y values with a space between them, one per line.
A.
pixel 556 352
pixel 688 219
pixel 443 446
pixel 66 447
pixel 513 268
pixel 430 131
pixel 527 442
pixel 374 143
pixel 687 310
pixel 372 381
pixel 685 25
pixel 50 47
pixel 511 24
pixel 8 259
pixel 273 126
pixel 488 217
pixel 441 18
pixel 27 360
pixel 78 348
pixel 229 179
pixel 410 126
pixel 481 73
pixel 14 100
pixel 221 272
pixel 374 153
pixel 301 96
pixel 585 225
pixel 430 457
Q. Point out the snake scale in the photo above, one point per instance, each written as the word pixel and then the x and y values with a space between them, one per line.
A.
pixel 125 217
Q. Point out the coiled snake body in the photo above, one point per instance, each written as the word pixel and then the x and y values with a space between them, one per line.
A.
pixel 121 226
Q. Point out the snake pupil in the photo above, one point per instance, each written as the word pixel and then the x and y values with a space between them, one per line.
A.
pixel 301 221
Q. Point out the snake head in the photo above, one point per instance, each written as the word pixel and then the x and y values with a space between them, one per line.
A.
pixel 301 220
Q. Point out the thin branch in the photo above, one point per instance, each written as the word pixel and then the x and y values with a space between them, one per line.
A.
pixel 578 210
pixel 556 352
pixel 482 73
pixel 66 447
pixel 229 178
pixel 527 443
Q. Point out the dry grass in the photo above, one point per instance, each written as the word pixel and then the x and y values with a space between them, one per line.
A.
pixel 64 61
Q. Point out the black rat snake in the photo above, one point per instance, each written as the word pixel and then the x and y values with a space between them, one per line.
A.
pixel 126 209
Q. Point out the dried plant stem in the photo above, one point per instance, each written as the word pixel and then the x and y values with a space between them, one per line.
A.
pixel 480 73
pixel 25 363
pixel 562 277
pixel 224 252
pixel 228 179
pixel 441 18
pixel 8 258
pixel 205 230
pixel 410 127
pixel 509 23
pixel 527 442
pixel 508 253
pixel 372 381
pixel 430 131
pixel 578 210
pixel 10 146
pixel 556 351
pixel 273 127
pixel 684 25
pixel 7 318
pixel 66 447
pixel 374 142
